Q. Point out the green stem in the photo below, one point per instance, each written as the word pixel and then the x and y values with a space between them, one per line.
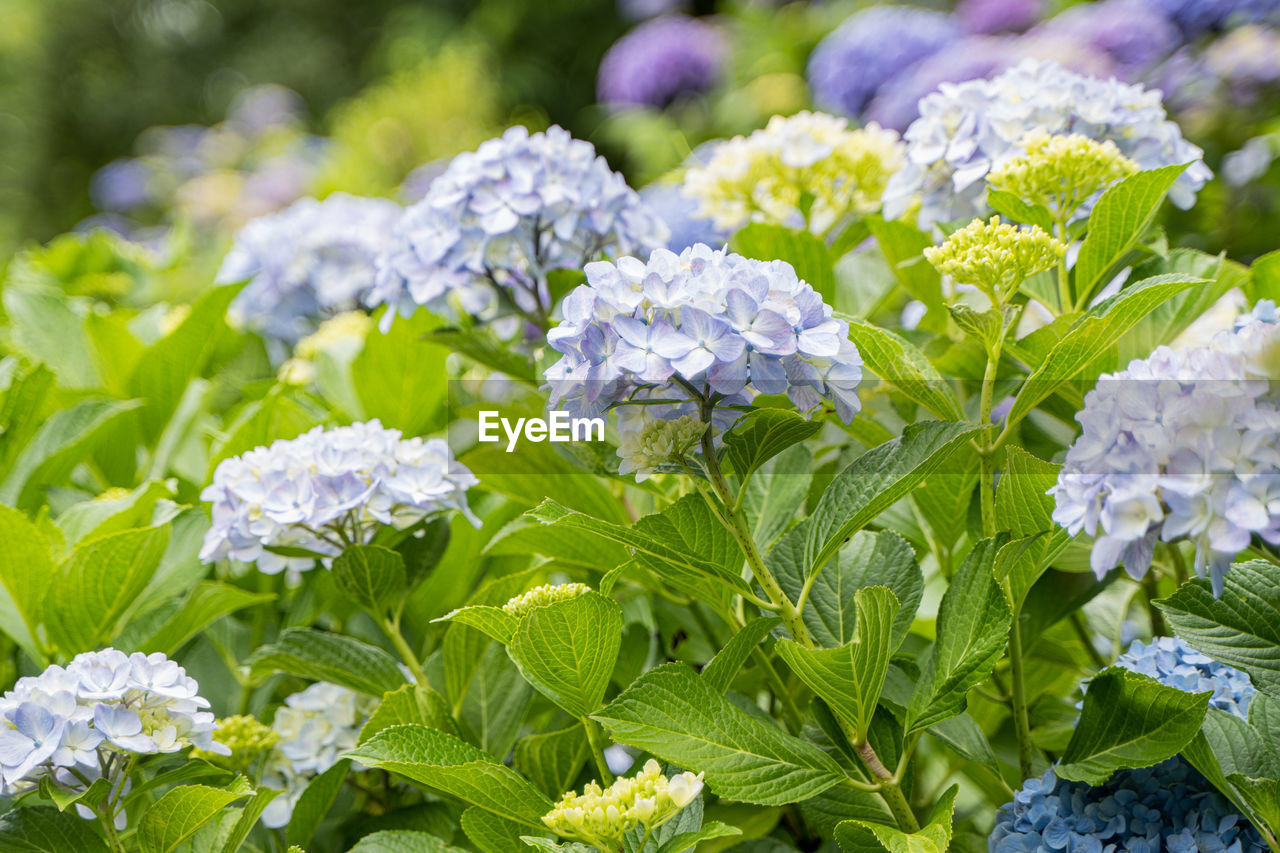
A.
pixel 106 818
pixel 1064 281
pixel 890 789
pixel 594 738
pixel 1021 720
pixel 987 451
pixel 1082 633
pixel 1179 564
pixel 391 627
pixel 1151 587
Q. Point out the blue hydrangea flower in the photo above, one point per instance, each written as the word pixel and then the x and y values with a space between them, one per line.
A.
pixel 660 61
pixel 1175 664
pixel 1131 32
pixel 989 17
pixel 873 46
pixel 963 129
pixel 308 262
pixel 500 218
pixel 679 213
pixel 1195 17
pixel 1168 807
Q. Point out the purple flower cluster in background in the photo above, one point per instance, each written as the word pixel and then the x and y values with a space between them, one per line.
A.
pixel 1195 17
pixel 662 60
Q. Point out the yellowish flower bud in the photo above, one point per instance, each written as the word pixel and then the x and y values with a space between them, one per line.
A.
pixel 541 596
pixel 995 257
pixel 1060 172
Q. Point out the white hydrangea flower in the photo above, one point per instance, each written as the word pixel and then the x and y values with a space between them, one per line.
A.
pixel 965 129
pixel 326 489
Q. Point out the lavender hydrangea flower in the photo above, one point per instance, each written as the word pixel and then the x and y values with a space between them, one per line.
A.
pixel 978 57
pixel 966 128
pixel 308 262
pixel 1180 445
pixel 499 219
pixel 662 60
pixel 872 47
pixel 679 213
pixel 1173 663
pixel 989 17
pixel 1132 33
pixel 326 489
pixel 1195 17
pixel 1246 61
pixel 61 724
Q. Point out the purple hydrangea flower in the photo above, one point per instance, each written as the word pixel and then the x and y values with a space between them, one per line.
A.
pixel 989 17
pixel 872 47
pixel 1195 17
pixel 662 60
pixel 897 103
pixel 1131 32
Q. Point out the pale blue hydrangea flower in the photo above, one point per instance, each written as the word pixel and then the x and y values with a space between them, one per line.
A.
pixel 964 129
pixel 310 261
pixel 1173 663
pixel 679 213
pixel 1180 445
pixel 60 725
pixel 326 489
pixel 502 217
pixel 872 47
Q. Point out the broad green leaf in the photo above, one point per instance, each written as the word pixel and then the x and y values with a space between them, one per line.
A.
pixel 1010 206
pixel 567 650
pixel 483 346
pixel 248 818
pixel 859 836
pixel 208 602
pixel 1172 317
pixel 1118 221
pixel 22 410
pixel 973 626
pixel 850 678
pixel 762 435
pixel 1024 508
pixel 567 547
pixel 95 589
pixel 1264 717
pixel 400 378
pixel 554 759
pixel 314 803
pixel 875 481
pixel 903 246
pixel 371 576
pixel 675 715
pixel 44 326
pixel 441 762
pixel 548 844
pixel 805 252
pixel 776 492
pixel 402 841
pixel 26 572
pixel 966 737
pixel 409 703
pixel 492 834
pixel 324 656
pixel 64 798
pixel 1092 335
pixel 1226 748
pixel 894 359
pixel 489 620
pixel 944 498
pixel 44 829
pixel 723 668
pixel 177 816
pixel 1241 628
pixel 276 416
pixel 494 703
pixel 101 515
pixel 689 840
pixel 540 472
pixel 1129 720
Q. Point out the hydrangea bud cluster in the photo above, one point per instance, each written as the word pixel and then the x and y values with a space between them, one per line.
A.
pixel 1173 663
pixel 308 262
pixel 602 816
pixel 872 47
pixel 698 329
pixel 1180 445
pixel 341 336
pixel 808 170
pixel 502 217
pixel 647 443
pixel 662 60
pixel 542 596
pixel 966 129
pixel 313 728
pixel 86 720
pixel 325 490
pixel 995 256
pixel 1060 172
pixel 248 740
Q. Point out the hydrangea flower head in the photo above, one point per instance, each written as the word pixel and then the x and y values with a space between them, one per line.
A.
pixel 995 256
pixel 1246 61
pixel 998 16
pixel 602 816
pixel 1060 172
pixel 326 489
pixel 1169 806
pixel 897 102
pixel 1173 663
pixel 502 217
pixel 541 596
pixel 1133 33
pixel 310 261
pixel 681 215
pixel 806 170
pixel 967 128
pixel 662 60
pixel 873 46
pixel 247 739
pixel 1195 17
pixel 647 443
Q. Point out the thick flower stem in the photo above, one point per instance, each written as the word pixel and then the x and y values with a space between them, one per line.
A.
pixel 595 737
pixel 391 627
pixel 1018 695
pixel 106 819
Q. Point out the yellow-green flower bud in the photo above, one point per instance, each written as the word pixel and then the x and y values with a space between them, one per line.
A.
pixel 1060 172
pixel 247 739
pixel 995 257
pixel 541 596
pixel 602 816
pixel 656 442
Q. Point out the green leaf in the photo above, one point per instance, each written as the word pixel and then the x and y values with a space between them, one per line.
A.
pixel 400 378
pixel 875 481
pixel 489 620
pixel 805 252
pixel 1118 222
pixel 1092 335
pixel 44 325
pixel 859 836
pixel 437 760
pixel 314 803
pixel 776 492
pixel 903 246
pixel 1129 720
pixel 409 703
pixel 1172 317
pixel 553 760
pixel 482 346
pixel 675 715
pixel 967 739
pixel 492 834
pixel 402 841
pixel 1241 628
pixel 276 416
pixel 850 678
pixel 248 818
pixel 93 592
pixel 208 602
pixel 44 829
pixel 371 576
pixel 689 840
pixel 567 650
pixel 895 360
pixel 762 435
pixel 723 668
pixel 177 816
pixel 973 625
pixel 324 656
pixel 26 572
pixel 1226 749
pixel 1024 508
pixel 1011 207
pixel 494 703
pixel 944 498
